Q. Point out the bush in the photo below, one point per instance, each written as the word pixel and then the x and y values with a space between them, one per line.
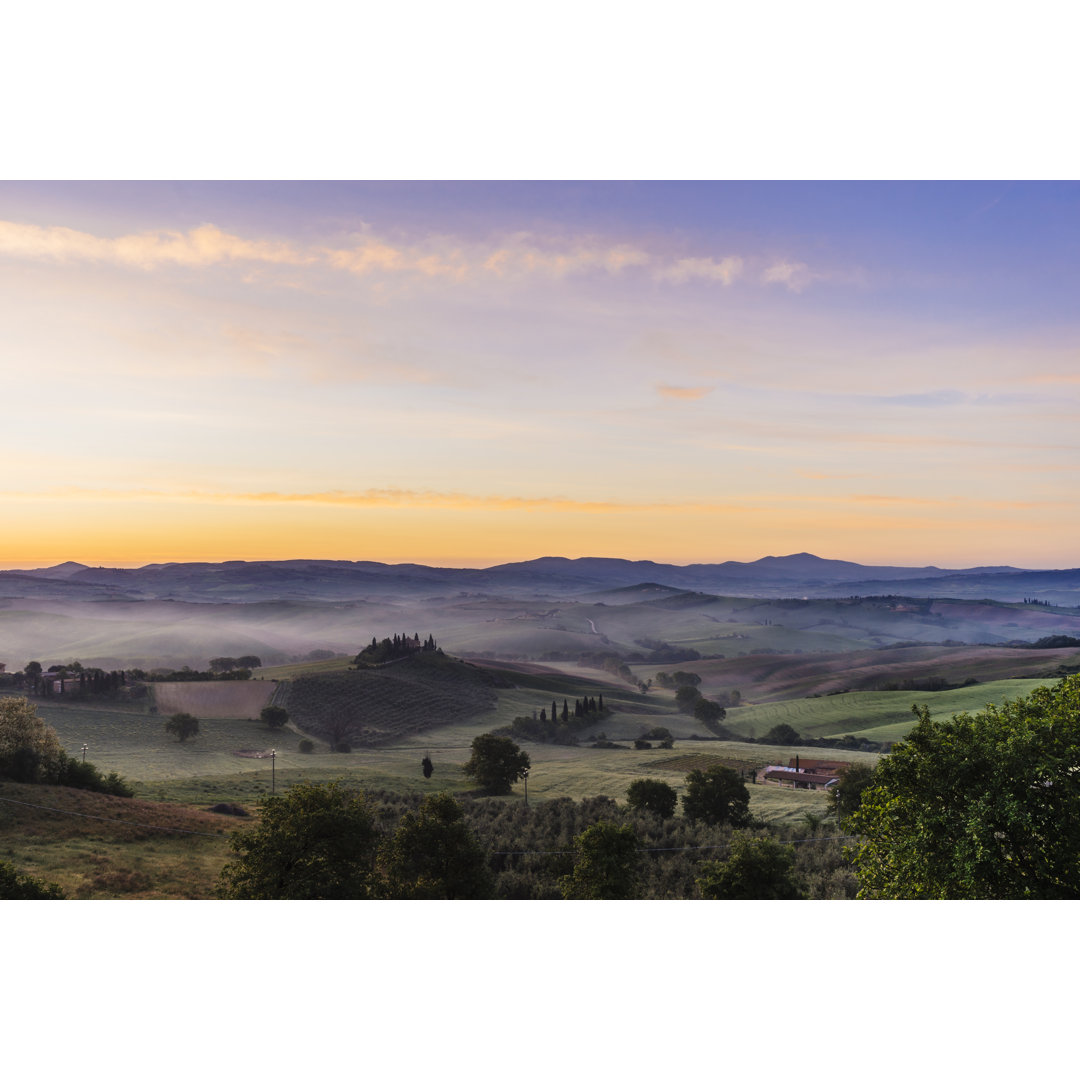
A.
pixel 274 717
pixel 16 886
pixel 306 746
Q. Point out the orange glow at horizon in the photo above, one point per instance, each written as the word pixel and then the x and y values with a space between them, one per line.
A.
pixel 47 533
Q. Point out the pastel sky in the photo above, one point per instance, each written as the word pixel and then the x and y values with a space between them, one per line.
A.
pixel 472 373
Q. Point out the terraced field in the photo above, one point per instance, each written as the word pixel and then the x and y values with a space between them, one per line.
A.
pixel 373 706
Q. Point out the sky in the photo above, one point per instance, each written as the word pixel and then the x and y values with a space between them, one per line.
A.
pixel 471 373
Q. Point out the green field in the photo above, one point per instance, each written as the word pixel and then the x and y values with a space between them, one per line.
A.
pixel 881 716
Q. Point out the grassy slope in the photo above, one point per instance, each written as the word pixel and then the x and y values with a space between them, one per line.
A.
pixel 881 716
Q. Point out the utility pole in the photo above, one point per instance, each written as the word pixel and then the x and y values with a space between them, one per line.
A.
pixel 273 771
pixel 84 749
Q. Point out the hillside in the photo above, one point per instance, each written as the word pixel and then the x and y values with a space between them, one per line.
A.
pixel 373 706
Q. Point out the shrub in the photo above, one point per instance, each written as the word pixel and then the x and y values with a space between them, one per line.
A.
pixel 306 746
pixel 16 886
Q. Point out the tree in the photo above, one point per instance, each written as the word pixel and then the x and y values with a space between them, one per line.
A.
pixel 29 749
pixel 782 735
pixel 982 807
pixel 708 712
pixel 33 669
pixel 432 855
pixel 686 698
pixel 427 766
pixel 224 663
pixel 318 842
pixel 606 859
pixel 846 794
pixel 757 868
pixel 716 796
pixel 496 763
pixel 16 886
pixel 652 795
pixel 248 662
pixel 274 716
pixel 183 725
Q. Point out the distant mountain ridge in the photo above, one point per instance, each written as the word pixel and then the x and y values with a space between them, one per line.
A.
pixel 801 574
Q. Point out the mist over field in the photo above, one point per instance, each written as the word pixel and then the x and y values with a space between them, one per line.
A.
pixel 555 609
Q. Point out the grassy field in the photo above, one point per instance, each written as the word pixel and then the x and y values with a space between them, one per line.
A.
pixel 882 716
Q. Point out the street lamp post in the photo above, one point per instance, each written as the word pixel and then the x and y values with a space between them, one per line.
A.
pixel 526 779
pixel 273 771
pixel 84 749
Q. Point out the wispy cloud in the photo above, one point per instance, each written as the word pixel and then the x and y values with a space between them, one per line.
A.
pixel 793 275
pixel 683 393
pixel 206 245
pixel 519 255
pixel 725 271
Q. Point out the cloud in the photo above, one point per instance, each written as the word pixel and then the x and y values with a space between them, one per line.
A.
pixel 519 255
pixel 725 271
pixel 369 498
pixel 684 393
pixel 206 245
pixel 793 275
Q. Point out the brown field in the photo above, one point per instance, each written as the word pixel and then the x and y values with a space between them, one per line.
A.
pixel 214 700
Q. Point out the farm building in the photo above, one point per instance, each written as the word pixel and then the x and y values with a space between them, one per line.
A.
pixel 797 777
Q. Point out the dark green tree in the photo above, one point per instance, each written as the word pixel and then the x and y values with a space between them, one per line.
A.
pixel 427 766
pixel 782 735
pixel 757 868
pixel 183 725
pixel 708 712
pixel 686 698
pixel 248 661
pixel 980 807
pixel 315 843
pixel 224 663
pixel 606 858
pixel 716 796
pixel 432 855
pixel 16 886
pixel 274 716
pixel 652 795
pixel 496 763
pixel 846 793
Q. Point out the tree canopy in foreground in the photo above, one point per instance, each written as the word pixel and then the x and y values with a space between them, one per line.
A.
pixel 315 843
pixel 982 807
